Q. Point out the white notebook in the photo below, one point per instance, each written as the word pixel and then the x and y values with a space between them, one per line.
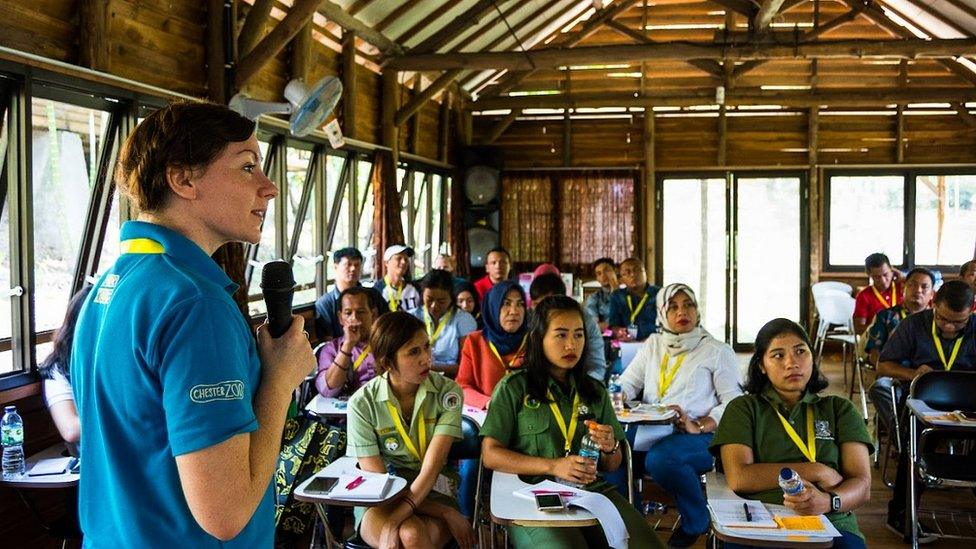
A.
pixel 373 486
pixel 731 513
pixel 52 466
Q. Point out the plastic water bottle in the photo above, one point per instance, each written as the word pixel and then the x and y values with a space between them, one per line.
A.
pixel 790 482
pixel 12 434
pixel 616 393
pixel 589 448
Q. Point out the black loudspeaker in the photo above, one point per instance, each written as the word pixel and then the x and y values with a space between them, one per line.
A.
pixel 482 186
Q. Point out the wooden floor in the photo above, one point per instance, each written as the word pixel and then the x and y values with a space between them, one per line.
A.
pixel 871 517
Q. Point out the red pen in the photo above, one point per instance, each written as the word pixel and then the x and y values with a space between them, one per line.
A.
pixel 358 480
pixel 556 492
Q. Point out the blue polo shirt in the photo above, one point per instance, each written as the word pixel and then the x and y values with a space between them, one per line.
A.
pixel 163 364
pixel 646 319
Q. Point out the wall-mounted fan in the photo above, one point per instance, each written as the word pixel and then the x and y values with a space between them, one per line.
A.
pixel 308 107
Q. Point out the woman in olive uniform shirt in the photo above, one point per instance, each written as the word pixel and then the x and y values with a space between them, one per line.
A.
pixel 554 381
pixel 407 417
pixel 783 422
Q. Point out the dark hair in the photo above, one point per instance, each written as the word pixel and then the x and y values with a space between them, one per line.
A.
pixel 876 260
pixel 389 333
pixel 966 265
pixel 343 253
pixel 956 294
pixel 60 358
pixel 537 365
pixel 636 260
pixel 546 285
pixel 756 380
pixel 603 260
pixel 921 271
pixel 465 286
pixel 184 134
pixel 499 249
pixel 354 291
pixel 438 279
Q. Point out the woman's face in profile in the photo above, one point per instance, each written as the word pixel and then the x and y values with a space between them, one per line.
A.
pixel 232 194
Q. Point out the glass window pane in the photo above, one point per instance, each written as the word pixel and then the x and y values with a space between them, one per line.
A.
pixel 6 328
pixel 364 188
pixel 67 142
pixel 303 265
pixel 436 234
pixel 420 220
pixel 694 243
pixel 945 219
pixel 867 215
pixel 768 219
pixel 266 248
pixel 343 236
pixel 110 245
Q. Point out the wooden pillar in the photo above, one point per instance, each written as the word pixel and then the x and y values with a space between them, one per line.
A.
pixel 349 88
pixel 567 138
pixel 301 53
pixel 415 120
pixel 391 100
pixel 900 134
pixel 647 195
pixel 723 126
pixel 216 52
pixel 93 50
pixel 467 128
pixel 444 127
pixel 813 185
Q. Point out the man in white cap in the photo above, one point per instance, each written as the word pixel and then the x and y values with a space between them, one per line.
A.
pixel 395 287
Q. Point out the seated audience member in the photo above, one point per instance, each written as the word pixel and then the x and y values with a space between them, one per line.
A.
pixel 941 338
pixel 598 304
pixel 57 377
pixel 396 288
pixel 447 326
pixel 348 266
pixel 498 265
pixel 488 355
pixel 538 418
pixel 445 262
pixel 783 421
pixel 346 363
pixel 967 273
pixel 882 293
pixel 917 297
pixel 468 301
pixel 632 309
pixel 685 368
pixel 594 361
pixel 407 418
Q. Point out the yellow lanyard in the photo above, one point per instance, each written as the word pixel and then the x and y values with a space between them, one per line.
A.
pixel 903 313
pixel 894 295
pixel 141 246
pixel 810 450
pixel 640 306
pixel 440 325
pixel 359 359
pixel 568 434
pixel 938 347
pixel 396 296
pixel 510 365
pixel 407 441
pixel 665 376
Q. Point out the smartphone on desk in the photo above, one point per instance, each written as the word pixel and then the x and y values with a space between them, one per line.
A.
pixel 549 502
pixel 321 486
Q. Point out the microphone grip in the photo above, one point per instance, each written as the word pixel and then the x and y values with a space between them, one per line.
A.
pixel 279 310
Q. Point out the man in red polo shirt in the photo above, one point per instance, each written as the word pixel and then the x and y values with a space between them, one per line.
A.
pixel 887 285
pixel 498 264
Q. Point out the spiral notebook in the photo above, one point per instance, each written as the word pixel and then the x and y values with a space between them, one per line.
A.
pixel 372 486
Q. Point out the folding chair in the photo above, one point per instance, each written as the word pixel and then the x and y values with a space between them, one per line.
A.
pixel 941 391
pixel 836 313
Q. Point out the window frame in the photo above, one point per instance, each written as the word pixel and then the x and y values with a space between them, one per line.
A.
pixel 910 175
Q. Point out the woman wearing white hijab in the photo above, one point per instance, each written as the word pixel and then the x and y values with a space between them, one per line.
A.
pixel 683 367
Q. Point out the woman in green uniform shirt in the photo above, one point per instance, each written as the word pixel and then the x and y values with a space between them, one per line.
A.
pixel 550 403
pixel 407 417
pixel 784 422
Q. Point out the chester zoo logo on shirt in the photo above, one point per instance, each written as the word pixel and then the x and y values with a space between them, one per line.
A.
pixel 822 429
pixel 225 390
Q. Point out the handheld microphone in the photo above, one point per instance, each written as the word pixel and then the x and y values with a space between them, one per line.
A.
pixel 278 286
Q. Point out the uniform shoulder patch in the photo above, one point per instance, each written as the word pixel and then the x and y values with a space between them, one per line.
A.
pixel 232 389
pixel 821 428
pixel 530 403
pixel 451 401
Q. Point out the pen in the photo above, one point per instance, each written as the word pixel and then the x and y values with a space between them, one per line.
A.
pixel 745 507
pixel 556 492
pixel 358 480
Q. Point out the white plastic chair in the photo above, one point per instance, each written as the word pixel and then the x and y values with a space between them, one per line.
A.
pixel 831 285
pixel 836 308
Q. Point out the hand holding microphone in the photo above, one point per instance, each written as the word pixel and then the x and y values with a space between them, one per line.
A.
pixel 286 355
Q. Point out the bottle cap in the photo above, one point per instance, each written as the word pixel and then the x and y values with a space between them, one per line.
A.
pixel 786 473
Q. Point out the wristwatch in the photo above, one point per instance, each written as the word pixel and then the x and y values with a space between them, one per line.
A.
pixel 834 502
pixel 701 428
pixel 611 452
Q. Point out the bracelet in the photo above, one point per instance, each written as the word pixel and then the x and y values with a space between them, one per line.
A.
pixel 413 506
pixel 336 364
pixel 345 353
pixel 611 452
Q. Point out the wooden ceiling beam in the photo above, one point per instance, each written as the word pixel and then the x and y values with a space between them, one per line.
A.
pixel 298 16
pixel 964 113
pixel 848 97
pixel 254 24
pixel 570 40
pixel 767 11
pixel 450 31
pixel 501 126
pixel 418 100
pixel 743 7
pixel 552 58
pixel 333 12
pixel 710 66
